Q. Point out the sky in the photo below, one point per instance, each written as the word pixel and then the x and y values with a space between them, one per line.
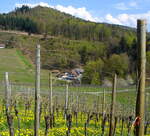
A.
pixel 122 12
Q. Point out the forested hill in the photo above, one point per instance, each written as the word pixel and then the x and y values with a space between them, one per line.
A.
pixel 98 47
pixel 50 21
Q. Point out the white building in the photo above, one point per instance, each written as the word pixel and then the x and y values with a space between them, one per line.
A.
pixel 2 46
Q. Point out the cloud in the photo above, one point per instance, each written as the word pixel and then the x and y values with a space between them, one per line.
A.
pixel 133 4
pixel 109 18
pixel 121 6
pixel 126 6
pixel 78 12
pixel 127 19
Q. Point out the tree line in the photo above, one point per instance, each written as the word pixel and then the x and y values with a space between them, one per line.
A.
pixel 8 22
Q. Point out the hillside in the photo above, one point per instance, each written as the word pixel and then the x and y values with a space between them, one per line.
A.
pixel 68 42
pixel 20 68
pixel 50 21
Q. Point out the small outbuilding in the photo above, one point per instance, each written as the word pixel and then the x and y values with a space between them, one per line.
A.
pixel 2 46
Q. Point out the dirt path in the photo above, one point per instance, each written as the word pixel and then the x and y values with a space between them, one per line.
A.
pixel 25 33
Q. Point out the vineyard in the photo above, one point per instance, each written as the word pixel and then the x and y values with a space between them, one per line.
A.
pixel 47 108
pixel 74 112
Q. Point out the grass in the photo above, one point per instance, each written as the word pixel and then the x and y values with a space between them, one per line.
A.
pixel 19 67
pixel 12 63
pixel 24 59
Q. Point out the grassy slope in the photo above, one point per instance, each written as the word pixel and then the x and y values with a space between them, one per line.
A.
pixel 11 61
pixel 20 68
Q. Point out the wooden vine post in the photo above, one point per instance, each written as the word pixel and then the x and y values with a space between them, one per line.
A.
pixel 66 100
pixel 7 104
pixel 7 92
pixel 51 92
pixel 103 104
pixel 112 112
pixel 37 93
pixel 140 102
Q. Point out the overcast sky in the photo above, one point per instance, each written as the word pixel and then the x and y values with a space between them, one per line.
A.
pixel 123 12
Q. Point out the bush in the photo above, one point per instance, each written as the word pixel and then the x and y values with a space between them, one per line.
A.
pixel 92 72
pixel 118 64
pixel 96 79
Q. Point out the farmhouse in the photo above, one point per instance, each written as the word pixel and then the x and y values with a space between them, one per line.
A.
pixel 2 46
